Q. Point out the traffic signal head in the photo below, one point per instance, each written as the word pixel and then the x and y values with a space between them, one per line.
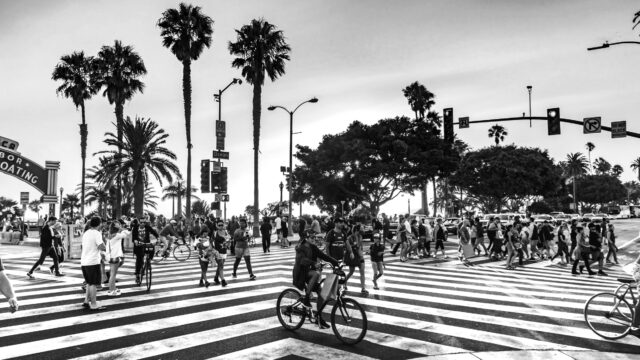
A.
pixel 205 169
pixel 215 205
pixel 553 121
pixel 448 124
pixel 223 180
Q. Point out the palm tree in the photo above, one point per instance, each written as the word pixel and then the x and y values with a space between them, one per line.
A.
pixel 590 146
pixel 201 208
pixel 576 166
pixel 259 49
pixel 498 132
pixel 601 166
pixel 77 76
pixel 178 190
pixel 170 192
pixel 419 98
pixel 100 194
pixel 186 31
pixel 118 71
pixel 636 20
pixel 635 165
pixel 143 153
pixel 35 206
pixel 617 170
pixel 71 202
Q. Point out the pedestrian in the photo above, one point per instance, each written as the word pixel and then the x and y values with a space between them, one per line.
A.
pixel 220 239
pixel 205 257
pixel 440 234
pixel 497 246
pixel 422 239
pixel 58 245
pixel 582 252
pixel 479 237
pixel 278 223
pixel 400 234
pixel 265 231
pixel 92 245
pixel 595 245
pixel 613 249
pixel 47 249
pixel 315 226
pixel 6 288
pixel 464 237
pixel 386 230
pixel 115 254
pixel 241 240
pixel 509 242
pixel 335 240
pixel 535 237
pixel 354 257
pixel 491 234
pixel 285 231
pixel 573 235
pixel 563 248
pixel 525 240
pixel 377 260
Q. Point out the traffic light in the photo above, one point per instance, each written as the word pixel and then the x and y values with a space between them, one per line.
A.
pixel 448 124
pixel 215 205
pixel 223 180
pixel 553 121
pixel 225 198
pixel 219 181
pixel 205 169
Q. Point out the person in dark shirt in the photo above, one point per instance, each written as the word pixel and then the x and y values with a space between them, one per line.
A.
pixel 595 245
pixel 265 231
pixel 140 235
pixel 377 260
pixel 46 244
pixel 335 240
pixel 220 238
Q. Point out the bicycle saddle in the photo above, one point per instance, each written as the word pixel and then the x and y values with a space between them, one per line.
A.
pixel 626 280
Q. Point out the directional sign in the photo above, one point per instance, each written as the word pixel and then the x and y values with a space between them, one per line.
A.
pixel 463 122
pixel 221 154
pixel 24 198
pixel 618 129
pixel 592 125
pixel 220 143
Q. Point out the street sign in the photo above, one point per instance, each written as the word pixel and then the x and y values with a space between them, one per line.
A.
pixel 221 154
pixel 463 122
pixel 219 143
pixel 618 129
pixel 217 167
pixel 224 197
pixel 592 125
pixel 24 197
pixel 221 128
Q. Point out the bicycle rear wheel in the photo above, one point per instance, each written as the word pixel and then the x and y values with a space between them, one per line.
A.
pixel 182 252
pixel 291 312
pixel 608 316
pixel 147 275
pixel 157 253
pixel 349 321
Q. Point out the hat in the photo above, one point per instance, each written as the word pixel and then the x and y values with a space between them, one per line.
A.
pixel 173 222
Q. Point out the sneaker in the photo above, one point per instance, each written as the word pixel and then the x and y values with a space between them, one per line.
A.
pixel 593 273
pixel 201 283
pixel 575 273
pixel 234 276
pixel 375 287
pixel 375 284
pixel 30 276
pixel 602 273
pixel 252 277
pixel 582 269
pixel 206 284
pixel 364 292
pixel 113 293
pixel 322 324
pixel 59 274
pixel 224 283
pixel 51 270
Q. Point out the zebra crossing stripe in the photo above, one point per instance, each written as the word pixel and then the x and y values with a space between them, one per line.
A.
pixel 282 348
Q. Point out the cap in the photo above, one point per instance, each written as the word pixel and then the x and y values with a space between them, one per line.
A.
pixel 173 222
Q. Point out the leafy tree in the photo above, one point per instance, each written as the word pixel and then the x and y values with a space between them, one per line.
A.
pixel 635 165
pixel 118 71
pixel 498 133
pixel 601 166
pixel 633 191
pixel 35 206
pixel 617 170
pixel 371 164
pixel 186 31
pixel 178 190
pixel 260 50
pixel 540 207
pixel 76 72
pixel 71 201
pixel 497 174
pixel 601 189
pixel 200 208
pixel 143 153
pixel 590 146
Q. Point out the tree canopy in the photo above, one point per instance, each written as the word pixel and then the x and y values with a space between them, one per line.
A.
pixel 601 189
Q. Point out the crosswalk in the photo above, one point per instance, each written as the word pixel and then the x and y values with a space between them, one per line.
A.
pixel 424 307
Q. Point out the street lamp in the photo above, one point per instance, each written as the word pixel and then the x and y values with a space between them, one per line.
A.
pixel 289 184
pixel 61 191
pixel 529 88
pixel 281 187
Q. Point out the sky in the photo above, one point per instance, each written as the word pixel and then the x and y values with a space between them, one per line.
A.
pixel 354 56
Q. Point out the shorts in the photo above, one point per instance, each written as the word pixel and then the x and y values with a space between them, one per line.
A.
pixel 116 260
pixel 377 266
pixel 220 256
pixel 240 252
pixel 439 245
pixel 91 274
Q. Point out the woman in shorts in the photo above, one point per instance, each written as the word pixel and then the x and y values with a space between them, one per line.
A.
pixel 115 254
pixel 354 256
pixel 219 239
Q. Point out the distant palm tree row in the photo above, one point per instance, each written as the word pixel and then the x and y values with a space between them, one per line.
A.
pixel 137 151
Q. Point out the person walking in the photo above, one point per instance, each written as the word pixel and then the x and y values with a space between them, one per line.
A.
pixel 265 231
pixel 205 257
pixel 47 249
pixel 440 235
pixel 613 249
pixel 115 254
pixel 220 239
pixel 285 231
pixel 509 242
pixel 582 252
pixel 595 245
pixel 92 245
pixel 479 237
pixel 278 223
pixel 563 248
pixel 241 240
pixel 354 257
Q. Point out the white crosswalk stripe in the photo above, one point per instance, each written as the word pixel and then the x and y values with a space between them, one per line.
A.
pixel 423 307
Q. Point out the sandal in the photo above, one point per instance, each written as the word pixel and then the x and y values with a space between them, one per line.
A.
pixel 99 308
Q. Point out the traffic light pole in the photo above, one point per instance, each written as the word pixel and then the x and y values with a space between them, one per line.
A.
pixel 570 121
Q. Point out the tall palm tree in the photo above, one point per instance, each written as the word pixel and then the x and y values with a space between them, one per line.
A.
pixel 35 206
pixel 498 132
pixel 119 69
pixel 77 76
pixel 617 170
pixel 576 165
pixel 186 31
pixel 71 201
pixel 143 153
pixel 601 166
pixel 178 190
pixel 260 50
pixel 100 194
pixel 201 208
pixel 171 192
pixel 419 98
pixel 590 146
pixel 635 165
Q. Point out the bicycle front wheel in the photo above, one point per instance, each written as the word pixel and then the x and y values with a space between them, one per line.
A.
pixel 157 253
pixel 182 252
pixel 608 315
pixel 349 321
pixel 147 275
pixel 291 312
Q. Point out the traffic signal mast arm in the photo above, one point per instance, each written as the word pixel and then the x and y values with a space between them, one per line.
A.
pixel 570 121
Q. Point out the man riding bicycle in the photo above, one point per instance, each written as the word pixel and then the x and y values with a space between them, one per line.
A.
pixel 167 236
pixel 305 275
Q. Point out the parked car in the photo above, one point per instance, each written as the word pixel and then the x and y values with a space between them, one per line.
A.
pixel 562 218
pixel 587 217
pixel 451 224
pixel 538 219
pixel 555 214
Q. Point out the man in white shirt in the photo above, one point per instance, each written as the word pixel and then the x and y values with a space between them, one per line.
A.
pixel 278 222
pixel 92 244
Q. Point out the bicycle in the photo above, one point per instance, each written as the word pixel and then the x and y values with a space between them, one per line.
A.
pixel 348 318
pixel 610 315
pixel 145 271
pixel 180 250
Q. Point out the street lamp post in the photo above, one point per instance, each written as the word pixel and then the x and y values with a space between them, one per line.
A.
pixel 61 192
pixel 281 187
pixel 289 182
pixel 529 88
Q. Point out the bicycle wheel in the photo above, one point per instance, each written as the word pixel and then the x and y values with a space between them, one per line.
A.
pixel 182 252
pixel 157 253
pixel 608 316
pixel 147 275
pixel 349 321
pixel 291 312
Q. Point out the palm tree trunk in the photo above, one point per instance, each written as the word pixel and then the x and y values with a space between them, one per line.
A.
pixel 435 197
pixel 186 92
pixel 138 194
pixel 117 207
pixel 424 200
pixel 83 152
pixel 257 103
pixel 575 200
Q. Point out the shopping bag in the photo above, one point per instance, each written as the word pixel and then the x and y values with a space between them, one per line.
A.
pixel 467 250
pixel 329 289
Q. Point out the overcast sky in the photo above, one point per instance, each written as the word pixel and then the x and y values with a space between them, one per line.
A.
pixel 355 56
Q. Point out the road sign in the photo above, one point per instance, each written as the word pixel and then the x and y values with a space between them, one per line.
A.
pixel 463 122
pixel 224 197
pixel 221 154
pixel 592 125
pixel 618 129
pixel 217 167
pixel 219 143
pixel 24 197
